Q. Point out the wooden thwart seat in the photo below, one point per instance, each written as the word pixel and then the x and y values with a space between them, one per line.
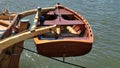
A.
pixel 63 22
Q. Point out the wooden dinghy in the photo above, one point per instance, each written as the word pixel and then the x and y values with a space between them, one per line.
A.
pixel 72 37
pixel 11 24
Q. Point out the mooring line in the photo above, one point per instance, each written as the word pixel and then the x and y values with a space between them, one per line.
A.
pixel 53 58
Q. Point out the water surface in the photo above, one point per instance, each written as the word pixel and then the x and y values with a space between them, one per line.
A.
pixel 104 17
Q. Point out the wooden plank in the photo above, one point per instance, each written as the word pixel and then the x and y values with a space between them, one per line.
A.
pixel 5 23
pixel 5 17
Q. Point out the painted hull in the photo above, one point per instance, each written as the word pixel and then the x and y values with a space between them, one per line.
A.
pixel 63 48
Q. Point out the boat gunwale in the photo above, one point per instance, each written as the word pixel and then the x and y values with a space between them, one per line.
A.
pixel 83 40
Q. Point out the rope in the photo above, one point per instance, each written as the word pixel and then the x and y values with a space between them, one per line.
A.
pixel 54 58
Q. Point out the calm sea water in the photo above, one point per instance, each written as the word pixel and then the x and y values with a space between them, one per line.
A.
pixel 104 17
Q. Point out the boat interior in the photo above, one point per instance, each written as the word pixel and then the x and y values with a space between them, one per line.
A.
pixel 68 24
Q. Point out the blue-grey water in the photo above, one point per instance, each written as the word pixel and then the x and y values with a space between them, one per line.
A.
pixel 104 17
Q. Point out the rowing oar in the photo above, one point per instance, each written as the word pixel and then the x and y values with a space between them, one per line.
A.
pixel 8 42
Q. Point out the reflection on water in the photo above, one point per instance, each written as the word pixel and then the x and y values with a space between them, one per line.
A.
pixel 104 17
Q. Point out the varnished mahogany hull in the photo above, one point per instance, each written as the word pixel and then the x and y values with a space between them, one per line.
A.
pixel 63 48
